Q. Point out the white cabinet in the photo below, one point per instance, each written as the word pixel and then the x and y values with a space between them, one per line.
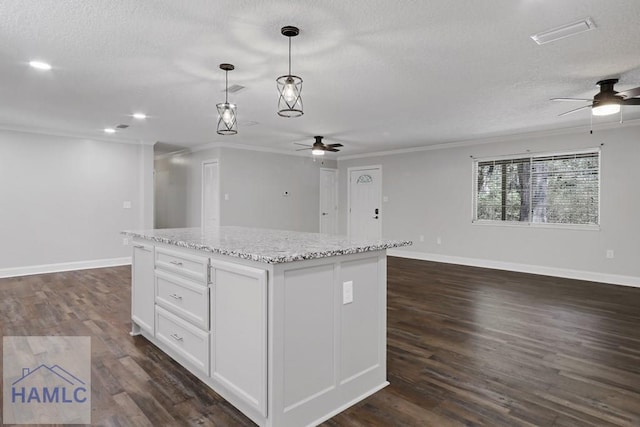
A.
pixel 182 306
pixel 191 266
pixel 183 338
pixel 185 298
pixel 275 340
pixel 142 287
pixel 239 332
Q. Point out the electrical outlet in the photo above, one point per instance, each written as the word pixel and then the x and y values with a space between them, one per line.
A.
pixel 610 253
pixel 126 204
pixel 385 199
pixel 421 238
pixel 347 292
pixel 439 240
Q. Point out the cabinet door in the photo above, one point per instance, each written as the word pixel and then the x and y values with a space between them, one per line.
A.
pixel 239 332
pixel 142 287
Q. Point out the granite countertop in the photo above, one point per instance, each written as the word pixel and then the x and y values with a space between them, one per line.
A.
pixel 263 245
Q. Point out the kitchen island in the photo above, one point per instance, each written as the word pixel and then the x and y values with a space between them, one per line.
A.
pixel 289 327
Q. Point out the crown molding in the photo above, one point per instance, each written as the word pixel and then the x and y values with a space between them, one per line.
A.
pixel 248 147
pixel 502 138
pixel 63 134
pixel 172 154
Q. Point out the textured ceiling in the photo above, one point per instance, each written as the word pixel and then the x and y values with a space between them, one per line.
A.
pixel 378 75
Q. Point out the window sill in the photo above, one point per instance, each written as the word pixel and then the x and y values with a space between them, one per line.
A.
pixel 582 227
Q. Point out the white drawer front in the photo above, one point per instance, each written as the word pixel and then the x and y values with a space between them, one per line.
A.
pixel 185 298
pixel 182 337
pixel 187 265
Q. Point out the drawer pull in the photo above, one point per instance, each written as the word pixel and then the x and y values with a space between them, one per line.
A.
pixel 178 263
pixel 176 337
pixel 141 247
pixel 176 296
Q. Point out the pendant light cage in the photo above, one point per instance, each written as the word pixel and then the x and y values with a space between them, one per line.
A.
pixel 289 86
pixel 290 99
pixel 227 119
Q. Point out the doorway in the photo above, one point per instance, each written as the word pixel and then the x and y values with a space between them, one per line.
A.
pixel 210 194
pixel 364 210
pixel 328 201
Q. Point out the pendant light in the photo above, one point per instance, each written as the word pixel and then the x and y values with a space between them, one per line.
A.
pixel 289 86
pixel 227 124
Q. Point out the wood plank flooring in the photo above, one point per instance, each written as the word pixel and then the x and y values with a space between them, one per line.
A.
pixel 466 346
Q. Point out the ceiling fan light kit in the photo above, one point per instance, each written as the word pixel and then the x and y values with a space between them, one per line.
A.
pixel 289 86
pixel 319 148
pixel 227 121
pixel 606 102
pixel 605 109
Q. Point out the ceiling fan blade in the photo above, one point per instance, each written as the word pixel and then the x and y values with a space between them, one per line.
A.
pixel 570 99
pixel 631 101
pixel 304 145
pixel 302 149
pixel 333 150
pixel 631 93
pixel 334 145
pixel 574 110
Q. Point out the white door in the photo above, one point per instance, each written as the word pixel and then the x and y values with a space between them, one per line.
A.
pixel 328 201
pixel 210 194
pixel 365 215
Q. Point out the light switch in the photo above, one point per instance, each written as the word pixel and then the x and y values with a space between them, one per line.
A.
pixel 385 199
pixel 226 196
pixel 126 204
pixel 347 292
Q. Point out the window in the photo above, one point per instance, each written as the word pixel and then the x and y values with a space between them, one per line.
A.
pixel 539 189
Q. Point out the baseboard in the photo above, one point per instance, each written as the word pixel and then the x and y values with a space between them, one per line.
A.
pixel 591 276
pixel 65 266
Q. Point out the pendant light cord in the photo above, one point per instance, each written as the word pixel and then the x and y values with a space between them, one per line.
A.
pixel 289 55
pixel 226 86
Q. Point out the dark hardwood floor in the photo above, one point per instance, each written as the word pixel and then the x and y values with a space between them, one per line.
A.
pixel 466 346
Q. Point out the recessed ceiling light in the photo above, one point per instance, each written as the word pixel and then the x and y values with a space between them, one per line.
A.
pixel 40 65
pixel 109 130
pixel 139 116
pixel 563 31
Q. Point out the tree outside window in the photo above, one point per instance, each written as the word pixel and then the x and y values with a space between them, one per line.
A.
pixel 550 189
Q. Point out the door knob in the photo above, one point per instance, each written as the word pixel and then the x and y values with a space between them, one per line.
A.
pixel 375 217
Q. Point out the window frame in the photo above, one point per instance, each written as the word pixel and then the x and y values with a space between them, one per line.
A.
pixel 530 224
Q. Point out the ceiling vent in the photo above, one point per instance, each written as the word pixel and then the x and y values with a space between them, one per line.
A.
pixel 121 126
pixel 235 88
pixel 563 31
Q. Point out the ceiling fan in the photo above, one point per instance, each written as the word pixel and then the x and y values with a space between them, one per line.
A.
pixel 607 101
pixel 318 148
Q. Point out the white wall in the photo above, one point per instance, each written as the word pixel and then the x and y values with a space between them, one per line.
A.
pixel 254 181
pixel 171 178
pixel 61 201
pixel 430 194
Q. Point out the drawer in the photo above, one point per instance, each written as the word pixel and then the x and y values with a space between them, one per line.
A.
pixel 186 340
pixel 185 298
pixel 184 264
